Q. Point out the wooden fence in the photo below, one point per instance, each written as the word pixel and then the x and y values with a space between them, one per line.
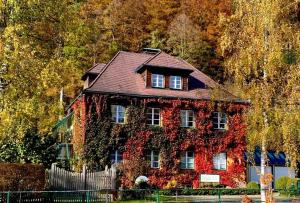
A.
pixel 87 180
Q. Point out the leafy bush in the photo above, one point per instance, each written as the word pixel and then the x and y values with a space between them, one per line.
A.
pixel 252 185
pixel 213 191
pixel 287 186
pixel 171 184
pixel 282 182
pixel 21 177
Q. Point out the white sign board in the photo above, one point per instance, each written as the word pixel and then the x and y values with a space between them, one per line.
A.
pixel 209 178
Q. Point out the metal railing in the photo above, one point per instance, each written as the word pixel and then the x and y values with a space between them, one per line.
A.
pixel 138 195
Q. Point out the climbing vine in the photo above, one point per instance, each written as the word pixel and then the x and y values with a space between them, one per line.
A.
pixel 136 140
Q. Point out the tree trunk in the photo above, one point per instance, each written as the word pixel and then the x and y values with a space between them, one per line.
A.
pixel 263 172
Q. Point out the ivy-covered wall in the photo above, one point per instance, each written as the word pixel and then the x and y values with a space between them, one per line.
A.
pixel 135 139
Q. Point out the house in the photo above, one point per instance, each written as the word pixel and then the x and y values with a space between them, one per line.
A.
pixel 156 115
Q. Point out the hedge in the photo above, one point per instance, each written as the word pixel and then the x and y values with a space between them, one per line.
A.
pixel 19 177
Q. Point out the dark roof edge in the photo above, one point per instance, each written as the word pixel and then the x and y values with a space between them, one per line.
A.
pixel 167 97
pixel 145 62
pixel 104 69
pixel 175 68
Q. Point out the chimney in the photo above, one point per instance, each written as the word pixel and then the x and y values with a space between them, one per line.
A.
pixel 151 50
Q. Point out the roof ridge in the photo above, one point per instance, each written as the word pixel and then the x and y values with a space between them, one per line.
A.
pixel 88 70
pixel 147 61
pixel 104 69
pixel 150 59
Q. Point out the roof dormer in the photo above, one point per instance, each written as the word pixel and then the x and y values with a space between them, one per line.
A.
pixel 165 71
pixel 91 74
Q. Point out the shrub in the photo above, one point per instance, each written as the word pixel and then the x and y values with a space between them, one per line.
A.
pixel 292 183
pixel 282 182
pixel 171 184
pixel 21 177
pixel 252 185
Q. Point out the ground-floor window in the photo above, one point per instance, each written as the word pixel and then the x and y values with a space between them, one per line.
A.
pixel 187 160
pixel 154 159
pixel 219 161
pixel 116 157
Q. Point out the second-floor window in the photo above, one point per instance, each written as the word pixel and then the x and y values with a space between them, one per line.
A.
pixel 118 113
pixel 219 161
pixel 153 116
pixel 175 82
pixel 219 120
pixel 187 160
pixel 158 80
pixel 116 157
pixel 187 118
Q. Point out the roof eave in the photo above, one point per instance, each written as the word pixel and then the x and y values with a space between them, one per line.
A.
pixel 144 66
pixel 167 97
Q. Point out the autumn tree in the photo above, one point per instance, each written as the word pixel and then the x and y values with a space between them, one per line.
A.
pixel 38 53
pixel 185 41
pixel 261 46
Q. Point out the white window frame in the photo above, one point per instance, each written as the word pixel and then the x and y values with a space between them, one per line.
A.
pixel 116 155
pixel 156 79
pixel 219 116
pixel 119 109
pixel 155 161
pixel 220 161
pixel 174 82
pixel 185 164
pixel 152 114
pixel 184 117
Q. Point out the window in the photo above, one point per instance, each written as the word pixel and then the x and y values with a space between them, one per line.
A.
pixel 175 82
pixel 187 160
pixel 158 80
pixel 116 157
pixel 219 161
pixel 153 116
pixel 187 118
pixel 154 159
pixel 219 120
pixel 118 113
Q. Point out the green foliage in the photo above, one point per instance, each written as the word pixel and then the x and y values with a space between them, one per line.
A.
pixel 190 191
pixel 32 148
pixel 287 185
pixel 252 185
pixel 282 182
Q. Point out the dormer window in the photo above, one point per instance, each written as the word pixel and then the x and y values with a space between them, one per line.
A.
pixel 175 82
pixel 158 80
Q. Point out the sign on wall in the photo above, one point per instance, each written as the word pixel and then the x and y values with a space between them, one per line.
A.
pixel 209 178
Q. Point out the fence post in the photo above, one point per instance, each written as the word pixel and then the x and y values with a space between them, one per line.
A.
pixel 8 197
pixel 84 173
pixel 157 197
pixel 88 197
pixel 106 198
pixel 219 195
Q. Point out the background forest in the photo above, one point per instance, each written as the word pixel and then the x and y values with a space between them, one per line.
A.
pixel 47 45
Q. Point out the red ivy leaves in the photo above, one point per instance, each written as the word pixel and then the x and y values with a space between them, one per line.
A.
pixel 204 141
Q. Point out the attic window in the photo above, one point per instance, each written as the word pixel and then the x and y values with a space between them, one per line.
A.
pixel 158 80
pixel 175 82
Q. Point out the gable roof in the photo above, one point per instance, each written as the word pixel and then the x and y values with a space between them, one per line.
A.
pixel 165 60
pixel 120 76
pixel 94 70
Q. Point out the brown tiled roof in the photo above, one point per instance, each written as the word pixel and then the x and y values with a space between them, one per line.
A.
pixel 95 70
pixel 165 60
pixel 120 76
